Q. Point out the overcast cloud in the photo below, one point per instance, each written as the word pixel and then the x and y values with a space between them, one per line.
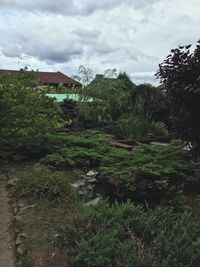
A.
pixel 129 35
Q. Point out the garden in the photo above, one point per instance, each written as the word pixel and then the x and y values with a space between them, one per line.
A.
pixel 109 180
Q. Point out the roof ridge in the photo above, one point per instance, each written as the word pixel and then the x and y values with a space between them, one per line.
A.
pixel 46 76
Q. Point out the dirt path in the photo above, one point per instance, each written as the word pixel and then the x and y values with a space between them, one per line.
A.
pixel 6 254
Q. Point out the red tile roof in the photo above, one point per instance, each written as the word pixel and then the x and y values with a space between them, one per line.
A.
pixel 48 77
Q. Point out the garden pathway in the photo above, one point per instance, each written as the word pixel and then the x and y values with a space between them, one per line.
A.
pixel 6 254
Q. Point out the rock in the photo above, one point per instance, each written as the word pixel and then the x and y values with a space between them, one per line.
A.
pixel 21 204
pixel 78 184
pixel 82 192
pixel 23 235
pixel 11 182
pixel 20 250
pixel 92 180
pixel 91 174
pixel 93 202
pixel 17 230
pixel 15 210
pixel 19 240
pixel 90 188
pixel 25 208
pixel 18 218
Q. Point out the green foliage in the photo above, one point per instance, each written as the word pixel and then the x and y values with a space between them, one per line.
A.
pixel 158 129
pixel 74 157
pixel 128 84
pixel 43 183
pixel 144 112
pixel 112 100
pixel 150 102
pixel 142 98
pixel 81 151
pixel 134 127
pixel 126 236
pixel 60 89
pixel 179 73
pixel 69 109
pixel 149 173
pixel 137 127
pixel 26 116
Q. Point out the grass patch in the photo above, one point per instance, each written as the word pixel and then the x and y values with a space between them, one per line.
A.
pixel 53 205
pixel 43 183
pixel 41 224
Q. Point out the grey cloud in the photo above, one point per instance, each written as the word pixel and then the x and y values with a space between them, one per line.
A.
pixel 104 49
pixel 49 44
pixel 90 36
pixel 51 6
pixel 57 55
pixel 48 54
pixel 91 5
pixel 71 7
pixel 11 50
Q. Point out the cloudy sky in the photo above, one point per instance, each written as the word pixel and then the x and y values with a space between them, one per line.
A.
pixel 129 35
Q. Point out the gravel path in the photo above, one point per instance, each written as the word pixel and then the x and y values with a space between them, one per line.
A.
pixel 6 254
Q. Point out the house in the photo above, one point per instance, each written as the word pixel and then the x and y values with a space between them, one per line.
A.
pixel 47 78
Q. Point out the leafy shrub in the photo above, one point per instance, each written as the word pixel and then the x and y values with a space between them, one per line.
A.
pixel 26 116
pixel 126 236
pixel 43 183
pixel 69 109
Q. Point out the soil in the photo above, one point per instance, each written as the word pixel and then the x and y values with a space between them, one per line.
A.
pixel 6 252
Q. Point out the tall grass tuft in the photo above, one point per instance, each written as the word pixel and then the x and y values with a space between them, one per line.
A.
pixel 134 127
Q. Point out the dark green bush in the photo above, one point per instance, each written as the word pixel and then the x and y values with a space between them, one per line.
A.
pixel 127 236
pixel 69 109
pixel 81 151
pixel 74 157
pixel 151 174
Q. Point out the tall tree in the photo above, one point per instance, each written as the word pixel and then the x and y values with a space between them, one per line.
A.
pixel 180 73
